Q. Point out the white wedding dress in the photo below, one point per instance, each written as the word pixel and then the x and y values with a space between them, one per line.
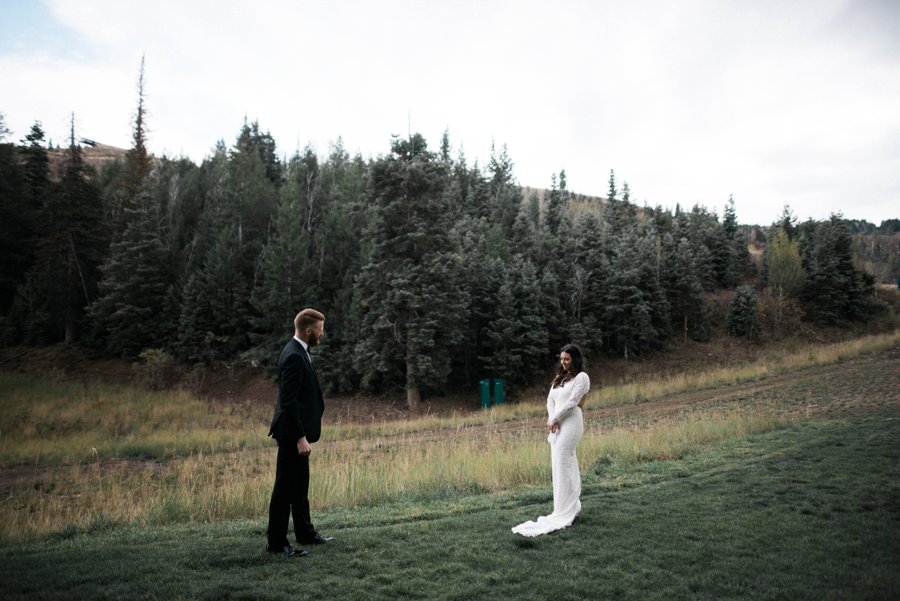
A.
pixel 562 407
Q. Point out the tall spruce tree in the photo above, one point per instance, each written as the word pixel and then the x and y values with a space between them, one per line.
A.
pixel 411 323
pixel 480 280
pixel 636 309
pixel 136 281
pixel 250 194
pixel 214 323
pixel 286 274
pixel 588 275
pixel 516 337
pixel 24 184
pixel 743 321
pixel 733 251
pixel 684 290
pixel 556 210
pixel 137 167
pixel 337 258
pixel 788 222
pixel 262 144
pixel 63 281
pixel 619 214
pixel 703 231
pixel 505 195
pixel 37 165
pixel 834 289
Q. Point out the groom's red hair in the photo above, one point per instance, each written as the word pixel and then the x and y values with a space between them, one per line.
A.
pixel 307 318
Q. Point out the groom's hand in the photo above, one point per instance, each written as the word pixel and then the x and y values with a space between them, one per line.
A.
pixel 303 447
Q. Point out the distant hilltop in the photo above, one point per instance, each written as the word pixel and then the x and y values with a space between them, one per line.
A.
pixel 95 154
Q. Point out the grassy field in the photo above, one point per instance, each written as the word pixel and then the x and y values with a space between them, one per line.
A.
pixel 783 485
pixel 810 511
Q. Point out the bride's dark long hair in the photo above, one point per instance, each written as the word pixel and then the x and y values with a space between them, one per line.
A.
pixel 563 376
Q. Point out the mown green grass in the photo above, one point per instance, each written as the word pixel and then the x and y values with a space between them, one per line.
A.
pixel 809 511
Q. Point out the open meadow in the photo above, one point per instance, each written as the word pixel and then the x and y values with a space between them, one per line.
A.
pixel 778 479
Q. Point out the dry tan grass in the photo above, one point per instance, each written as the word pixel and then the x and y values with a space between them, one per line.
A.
pixel 58 441
pixel 352 472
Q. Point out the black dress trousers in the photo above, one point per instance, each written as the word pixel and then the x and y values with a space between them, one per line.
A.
pixel 290 496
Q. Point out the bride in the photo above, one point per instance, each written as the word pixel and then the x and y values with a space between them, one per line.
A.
pixel 566 425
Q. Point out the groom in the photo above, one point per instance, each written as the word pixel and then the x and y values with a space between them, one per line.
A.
pixel 296 424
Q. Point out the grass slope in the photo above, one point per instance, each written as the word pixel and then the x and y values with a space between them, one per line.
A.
pixel 810 511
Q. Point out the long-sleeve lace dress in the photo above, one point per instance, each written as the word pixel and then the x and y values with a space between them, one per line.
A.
pixel 562 407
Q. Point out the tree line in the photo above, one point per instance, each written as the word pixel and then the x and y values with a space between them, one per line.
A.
pixel 431 271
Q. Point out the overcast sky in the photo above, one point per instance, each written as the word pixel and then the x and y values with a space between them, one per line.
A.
pixel 774 102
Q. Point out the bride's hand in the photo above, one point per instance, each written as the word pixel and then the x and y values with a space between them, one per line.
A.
pixel 554 427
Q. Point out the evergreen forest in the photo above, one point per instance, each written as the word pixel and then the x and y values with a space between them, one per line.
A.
pixel 432 272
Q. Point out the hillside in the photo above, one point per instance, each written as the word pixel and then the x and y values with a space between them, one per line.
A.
pixel 96 156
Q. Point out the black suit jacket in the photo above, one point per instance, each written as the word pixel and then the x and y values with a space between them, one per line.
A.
pixel 298 411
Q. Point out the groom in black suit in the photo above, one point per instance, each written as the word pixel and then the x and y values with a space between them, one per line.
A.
pixel 296 424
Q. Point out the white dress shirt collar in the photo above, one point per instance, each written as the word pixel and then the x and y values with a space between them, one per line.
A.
pixel 303 344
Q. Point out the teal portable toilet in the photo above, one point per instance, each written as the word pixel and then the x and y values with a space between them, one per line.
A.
pixel 498 391
pixel 485 393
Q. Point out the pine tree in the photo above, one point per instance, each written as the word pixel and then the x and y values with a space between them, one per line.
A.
pixel 215 316
pixel 222 262
pixel 587 281
pixel 250 194
pixel 505 195
pixel 285 276
pixel 178 193
pixel 412 306
pixel 619 215
pixel 733 261
pixel 556 210
pixel 516 337
pixel 136 281
pixel 684 290
pixel 63 281
pixel 743 320
pixel 661 221
pixel 636 310
pixel 788 222
pixel 23 191
pixel 834 290
pixel 480 279
pixel 137 167
pixel 337 260
pixel 252 141
pixel 37 165
pixel 703 231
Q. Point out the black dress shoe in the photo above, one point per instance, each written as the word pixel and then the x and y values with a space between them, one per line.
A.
pixel 318 539
pixel 288 551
